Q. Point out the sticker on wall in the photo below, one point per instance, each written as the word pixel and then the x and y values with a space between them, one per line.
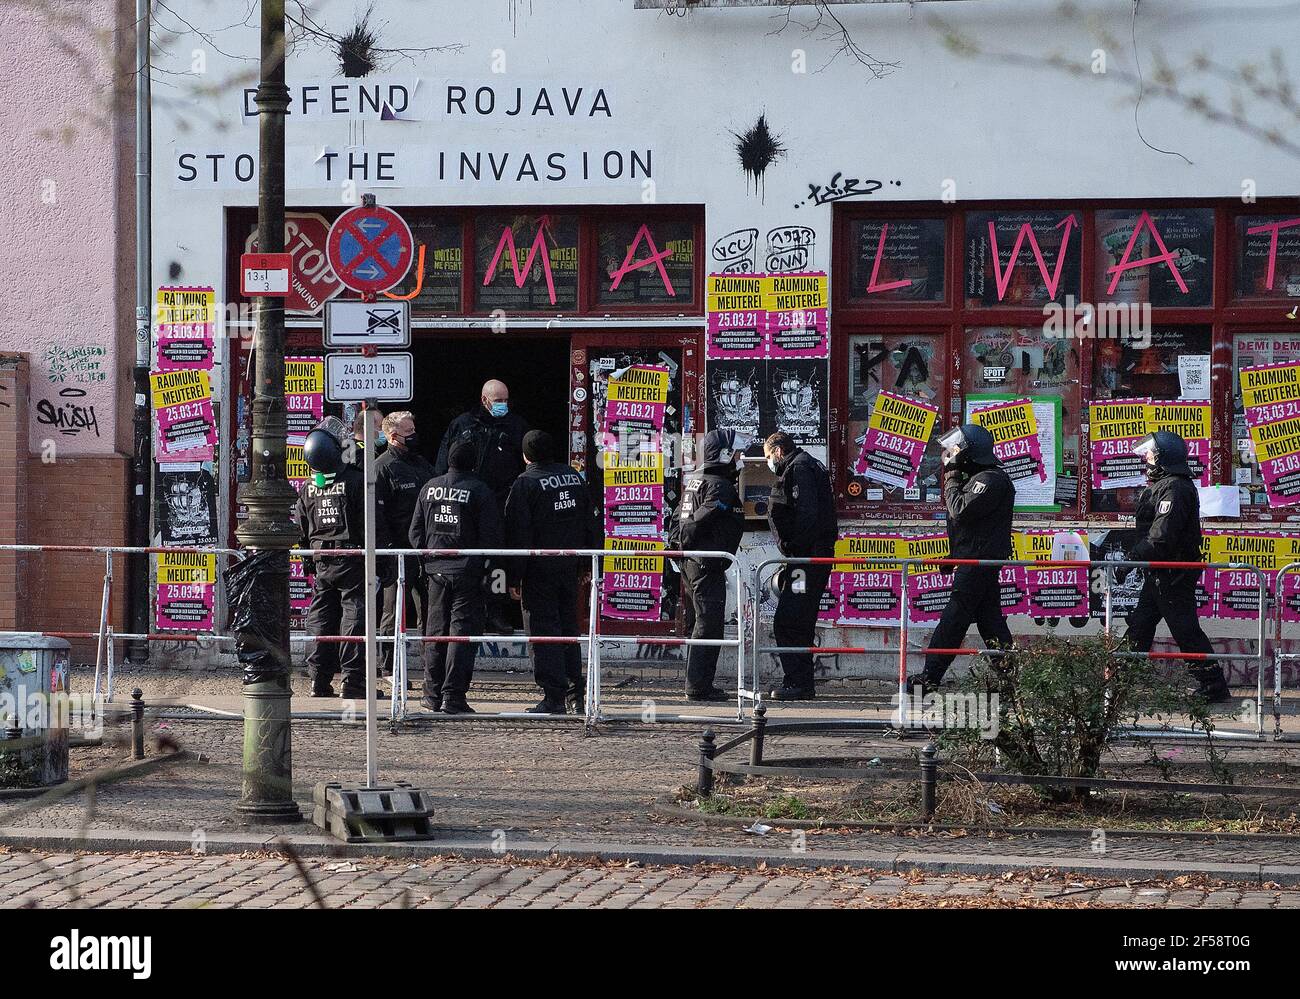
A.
pixel 1270 395
pixel 185 585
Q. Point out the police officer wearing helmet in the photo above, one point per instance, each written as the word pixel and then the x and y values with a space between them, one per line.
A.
pixel 400 472
pixel 550 507
pixel 801 514
pixel 456 510
pixel 710 518
pixel 1169 530
pixel 979 496
pixel 331 514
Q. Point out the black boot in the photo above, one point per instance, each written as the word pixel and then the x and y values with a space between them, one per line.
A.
pixel 456 705
pixel 794 694
pixel 548 705
pixel 924 682
pixel 709 694
pixel 1212 685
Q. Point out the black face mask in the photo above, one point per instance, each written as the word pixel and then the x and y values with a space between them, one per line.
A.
pixel 412 441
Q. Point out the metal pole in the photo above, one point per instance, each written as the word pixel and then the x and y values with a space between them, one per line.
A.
pixel 399 641
pixel 592 706
pixel 372 646
pixel 903 713
pixel 142 449
pixel 268 756
pixel 100 646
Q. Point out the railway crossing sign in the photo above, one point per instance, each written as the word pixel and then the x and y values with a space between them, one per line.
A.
pixel 370 248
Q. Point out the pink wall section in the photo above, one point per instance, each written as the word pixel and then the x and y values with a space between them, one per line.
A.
pixel 67 186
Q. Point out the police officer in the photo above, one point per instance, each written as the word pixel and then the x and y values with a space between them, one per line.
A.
pixel 549 506
pixel 497 433
pixel 1169 530
pixel 456 510
pixel 399 473
pixel 979 496
pixel 710 518
pixel 355 449
pixel 801 514
pixel 331 514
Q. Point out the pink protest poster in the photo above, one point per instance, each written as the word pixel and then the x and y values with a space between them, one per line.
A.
pixel 1014 590
pixel 897 433
pixel 1290 596
pixel 870 593
pixel 304 395
pixel 183 417
pixel 184 606
pixel 300 584
pixel 828 606
pixel 798 323
pixel 736 326
pixel 1014 427
pixel 1054 591
pixel 632 581
pixel 177 353
pixel 1267 392
pixel 1114 429
pixel 927 596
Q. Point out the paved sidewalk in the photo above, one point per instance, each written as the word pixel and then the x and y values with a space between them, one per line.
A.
pixel 62 880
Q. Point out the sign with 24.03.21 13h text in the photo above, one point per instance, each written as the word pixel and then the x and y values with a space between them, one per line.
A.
pixel 357 378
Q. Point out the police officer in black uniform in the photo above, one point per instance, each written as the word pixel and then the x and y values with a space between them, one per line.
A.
pixel 550 507
pixel 801 514
pixel 497 433
pixel 710 518
pixel 1169 529
pixel 399 473
pixel 331 514
pixel 979 496
pixel 456 510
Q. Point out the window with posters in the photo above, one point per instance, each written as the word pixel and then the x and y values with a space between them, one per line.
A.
pixel 1123 316
pixel 1250 350
pixel 645 262
pixel 1160 371
pixel 526 263
pixel 1268 256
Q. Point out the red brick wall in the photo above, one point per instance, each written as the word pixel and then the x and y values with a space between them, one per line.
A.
pixel 76 501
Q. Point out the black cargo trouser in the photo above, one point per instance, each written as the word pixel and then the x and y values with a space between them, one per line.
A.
pixel 454 605
pixel 415 612
pixel 976 599
pixel 549 600
pixel 338 608
pixel 706 607
pixel 1171 594
pixel 795 621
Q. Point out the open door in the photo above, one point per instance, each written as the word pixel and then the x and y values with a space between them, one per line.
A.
pixel 594 356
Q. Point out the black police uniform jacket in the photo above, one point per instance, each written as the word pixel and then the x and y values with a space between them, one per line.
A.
pixel 498 447
pixel 333 515
pixel 710 517
pixel 801 510
pixel 979 513
pixel 399 474
pixel 549 507
pixel 1169 526
pixel 456 510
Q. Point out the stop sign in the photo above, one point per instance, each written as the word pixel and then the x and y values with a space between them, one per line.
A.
pixel 312 282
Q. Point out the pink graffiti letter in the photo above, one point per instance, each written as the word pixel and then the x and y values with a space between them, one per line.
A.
pixel 656 257
pixel 875 268
pixel 1052 280
pixel 1274 228
pixel 521 274
pixel 1164 255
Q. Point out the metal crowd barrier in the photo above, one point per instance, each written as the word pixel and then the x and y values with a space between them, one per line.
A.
pixel 593 712
pixel 895 564
pixel 1280 657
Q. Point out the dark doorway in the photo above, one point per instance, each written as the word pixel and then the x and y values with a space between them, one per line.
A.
pixel 450 372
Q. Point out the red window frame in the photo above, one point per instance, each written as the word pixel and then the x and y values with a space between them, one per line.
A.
pixel 1226 316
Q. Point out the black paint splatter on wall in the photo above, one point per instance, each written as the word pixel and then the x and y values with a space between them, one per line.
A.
pixel 757 148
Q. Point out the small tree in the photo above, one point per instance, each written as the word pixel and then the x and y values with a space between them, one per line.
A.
pixel 1059 703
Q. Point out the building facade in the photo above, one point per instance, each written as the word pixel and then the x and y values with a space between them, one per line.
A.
pixel 966 218
pixel 67 337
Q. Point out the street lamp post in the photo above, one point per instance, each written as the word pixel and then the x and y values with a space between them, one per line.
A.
pixel 268 760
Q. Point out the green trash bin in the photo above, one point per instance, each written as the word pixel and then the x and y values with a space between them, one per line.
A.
pixel 33 731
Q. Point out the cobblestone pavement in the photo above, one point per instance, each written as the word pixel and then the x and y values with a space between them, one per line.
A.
pixel 543 781
pixel 263 881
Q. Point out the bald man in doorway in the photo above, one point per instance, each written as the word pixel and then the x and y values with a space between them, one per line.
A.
pixel 497 434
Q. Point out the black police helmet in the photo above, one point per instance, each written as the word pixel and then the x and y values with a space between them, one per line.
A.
pixel 322 452
pixel 979 446
pixel 1171 453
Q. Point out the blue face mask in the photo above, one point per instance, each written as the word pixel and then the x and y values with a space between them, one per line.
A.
pixel 381 439
pixel 500 408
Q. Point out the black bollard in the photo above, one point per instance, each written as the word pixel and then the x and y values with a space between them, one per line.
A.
pixel 704 783
pixel 929 778
pixel 756 743
pixel 137 724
